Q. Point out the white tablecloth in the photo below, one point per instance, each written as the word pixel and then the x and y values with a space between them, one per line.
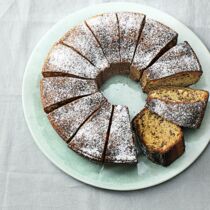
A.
pixel 28 180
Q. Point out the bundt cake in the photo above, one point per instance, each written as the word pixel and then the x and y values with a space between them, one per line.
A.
pixel 182 106
pixel 179 66
pixel 64 61
pixel 155 39
pixel 122 43
pixel 90 140
pixel 120 146
pixel 161 141
pixel 67 119
pixel 81 39
pixel 58 91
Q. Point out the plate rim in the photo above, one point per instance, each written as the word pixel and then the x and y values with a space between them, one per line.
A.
pixel 83 179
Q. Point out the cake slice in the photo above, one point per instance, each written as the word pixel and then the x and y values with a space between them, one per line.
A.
pixel 130 27
pixel 182 106
pixel 155 39
pixel 82 40
pixel 64 61
pixel 67 119
pixel 120 146
pixel 160 140
pixel 179 66
pixel 105 29
pixel 90 140
pixel 57 91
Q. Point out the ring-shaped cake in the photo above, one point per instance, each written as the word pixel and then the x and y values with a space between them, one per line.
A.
pixel 146 50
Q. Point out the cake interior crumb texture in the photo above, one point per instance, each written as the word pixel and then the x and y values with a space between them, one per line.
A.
pixel 179 94
pixel 156 133
pixel 161 141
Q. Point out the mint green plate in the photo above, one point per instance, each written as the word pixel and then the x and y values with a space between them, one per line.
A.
pixel 119 90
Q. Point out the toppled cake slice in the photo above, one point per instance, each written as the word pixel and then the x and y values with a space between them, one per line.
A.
pixel 105 29
pixel 67 119
pixel 120 146
pixel 182 106
pixel 82 40
pixel 155 39
pixel 90 140
pixel 130 27
pixel 58 91
pixel 179 66
pixel 160 140
pixel 64 61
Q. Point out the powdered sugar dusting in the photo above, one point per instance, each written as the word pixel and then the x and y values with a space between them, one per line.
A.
pixel 154 37
pixel 83 41
pixel 183 114
pixel 58 89
pixel 68 118
pixel 65 60
pixel 178 59
pixel 120 147
pixel 91 137
pixel 129 25
pixel 105 28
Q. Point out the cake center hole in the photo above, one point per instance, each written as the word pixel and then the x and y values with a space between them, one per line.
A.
pixel 120 89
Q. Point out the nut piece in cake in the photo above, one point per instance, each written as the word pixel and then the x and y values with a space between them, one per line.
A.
pixel 83 41
pixel 58 91
pixel 90 140
pixel 67 119
pixel 182 106
pixel 130 27
pixel 179 66
pixel 120 146
pixel 64 61
pixel 105 29
pixel 160 140
pixel 155 40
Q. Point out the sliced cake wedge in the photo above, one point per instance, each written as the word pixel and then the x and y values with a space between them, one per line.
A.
pixel 64 61
pixel 83 41
pixel 160 140
pixel 182 106
pixel 130 27
pixel 155 40
pixel 179 66
pixel 91 138
pixel 57 91
pixel 120 146
pixel 105 29
pixel 67 119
